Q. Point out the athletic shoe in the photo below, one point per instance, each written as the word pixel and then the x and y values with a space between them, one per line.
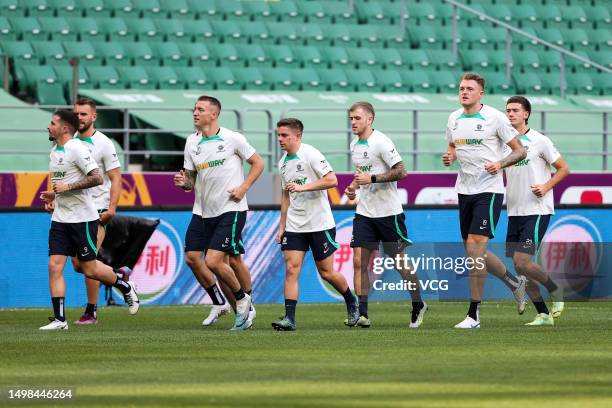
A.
pixel 352 315
pixel 216 311
pixel 86 319
pixel 364 322
pixel 519 294
pixel 131 298
pixel 125 273
pixel 252 314
pixel 284 324
pixel 55 325
pixel 417 316
pixel 542 319
pixel 468 323
pixel 243 308
pixel 557 309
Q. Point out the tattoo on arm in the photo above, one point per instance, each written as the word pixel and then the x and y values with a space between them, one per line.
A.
pixel 190 176
pixel 93 178
pixel 397 172
pixel 514 157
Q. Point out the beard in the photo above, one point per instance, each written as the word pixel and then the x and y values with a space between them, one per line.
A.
pixel 85 127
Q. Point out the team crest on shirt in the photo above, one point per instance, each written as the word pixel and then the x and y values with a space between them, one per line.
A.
pixel 220 149
pixel 60 161
pixel 299 167
pixel 365 154
pixel 198 150
pixel 479 128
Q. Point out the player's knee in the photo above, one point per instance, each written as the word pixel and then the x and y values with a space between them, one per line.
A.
pixel 326 274
pixel 521 264
pixel 192 260
pixel 213 264
pixel 235 262
pixel 293 268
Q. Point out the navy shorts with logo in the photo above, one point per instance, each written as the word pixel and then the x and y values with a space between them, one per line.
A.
pixel 322 243
pixel 74 239
pixel 391 231
pixel 194 237
pixel 525 233
pixel 224 232
pixel 479 213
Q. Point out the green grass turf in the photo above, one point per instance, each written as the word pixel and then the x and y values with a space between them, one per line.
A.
pixel 163 357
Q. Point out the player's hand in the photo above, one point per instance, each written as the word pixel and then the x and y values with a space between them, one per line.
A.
pixel 60 187
pixel 279 235
pixel 493 168
pixel 362 178
pixel 237 193
pixel 350 192
pixel 539 190
pixel 47 196
pixel 106 216
pixel 179 179
pixel 448 158
pixel 295 188
pixel 50 206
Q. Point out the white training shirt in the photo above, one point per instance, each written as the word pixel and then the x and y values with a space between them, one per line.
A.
pixel 479 139
pixel 534 169
pixel 218 161
pixel 105 155
pixel 308 211
pixel 71 163
pixel 376 155
pixel 192 139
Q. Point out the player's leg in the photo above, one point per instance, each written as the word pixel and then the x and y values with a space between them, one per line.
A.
pixel 543 316
pixel 516 284
pixel 365 239
pixel 90 316
pixel 357 271
pixel 243 274
pixel 59 250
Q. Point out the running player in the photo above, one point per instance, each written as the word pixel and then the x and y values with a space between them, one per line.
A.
pixel 530 205
pixel 75 220
pixel 306 219
pixel 379 216
pixel 476 136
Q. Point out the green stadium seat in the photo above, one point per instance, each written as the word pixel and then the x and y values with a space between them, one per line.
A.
pixel 552 35
pixel 362 79
pixel 497 83
pixel 424 13
pixel 285 33
pixel 199 30
pixel 600 15
pixel 160 142
pixel 169 54
pixel 550 61
pixel 307 78
pixel 286 11
pixel 250 78
pixel 445 81
pixel 415 58
pixel 201 8
pixel 576 16
pixel 57 28
pixel 339 34
pixel 149 8
pixel 313 35
pixel 259 10
pixel 602 57
pixel 83 50
pixel 232 9
pixel 171 29
pixel 473 19
pixel 440 59
pixel 281 55
pixel 143 29
pixel 18 50
pixel 392 36
pixel 122 8
pixel 227 30
pixel 500 12
pixel 527 61
pixel 578 66
pixel 6 31
pixel 222 78
pixel 444 12
pixel 105 77
pixel 333 56
pixel 94 8
pixel 390 80
pixel 197 53
pixel 363 57
pixel 601 38
pixel 580 84
pixel 136 77
pixel 390 58
pixel 577 39
pixel 11 8
pixel 602 82
pixel 280 79
pixel 334 79
pixel 367 35
pixel 418 80
pixel 313 11
pixel 476 60
pixel 473 37
pixel 86 27
pixel 339 11
pixel 551 14
pixel 50 93
pixel 256 32
pixel 528 83
pixel 525 13
pixel 524 42
pixel 371 13
pixel 552 82
pixel 141 54
pixel 254 55
pixel 498 59
pixel 193 77
pixel 66 8
pixel 424 36
pixel 112 53
pixel 165 77
pixel 496 36
pixel 181 9
pixel 49 51
pixel 226 55
pixel 115 29
pixel 28 28
pixel 37 8
pixel 65 73
pixel 31 74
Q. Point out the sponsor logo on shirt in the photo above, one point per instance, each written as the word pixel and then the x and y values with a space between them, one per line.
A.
pixel 523 162
pixel 300 181
pixel 59 174
pixel 468 141
pixel 212 163
pixel 365 169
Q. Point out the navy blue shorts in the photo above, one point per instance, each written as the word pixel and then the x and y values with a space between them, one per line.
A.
pixel 479 213
pixel 194 237
pixel 525 233
pixel 322 243
pixel 391 231
pixel 74 239
pixel 224 232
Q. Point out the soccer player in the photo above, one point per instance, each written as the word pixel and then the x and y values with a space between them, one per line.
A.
pixel 530 205
pixel 306 219
pixel 214 160
pixel 379 216
pixel 75 220
pixel 476 136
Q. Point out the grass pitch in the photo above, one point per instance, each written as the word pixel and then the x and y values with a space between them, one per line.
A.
pixel 163 357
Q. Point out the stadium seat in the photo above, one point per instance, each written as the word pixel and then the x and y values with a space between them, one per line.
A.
pixel 250 78
pixel 424 36
pixel 149 8
pixel 473 37
pixel 94 8
pixel 500 12
pixel 578 66
pixel 497 83
pixel 28 28
pixel 6 31
pixel 307 78
pixel 160 142
pixel 476 60
pixel 371 13
pixel 602 83
pixel 445 81
pixel 313 34
pixel 232 10
pixel 285 33
pixel 552 82
pixel 57 28
pixel 31 74
pixel 136 77
pixel 226 55
pixel 414 57
pixel 256 32
pixel 551 15
pixel 11 8
pixel 143 29
pixel 577 39
pixel 441 59
pixel 286 11
pixel 86 27
pixel 197 53
pixel 37 8
pixel 525 13
pixel 112 53
pixel 122 8
pixel 576 16
pixel 339 11
pixel 50 93
pixel 499 59
pixel 334 56
pixel 527 61
pixel 228 31
pixel 339 34
pixel 417 80
pixel 254 55
pixel 524 42
pixel 83 50
pixel 48 51
pixel 199 30
pixel 599 15
pixel 552 35
pixel 186 10
pixel 105 77
pixel 580 83
pixel 334 79
pixel 199 9
pixel 115 29
pixel 424 13
pixel 496 36
pixel 392 36
pixel 141 54
pixel 366 35
pixel 362 79
pixel 165 77
pixel 259 10
pixel 171 29
pixel 193 77
pixel 528 83
pixel 65 74
pixel 602 57
pixel 550 61
pixel 389 57
pixel 169 54
pixel 282 56
pixel 390 80
pixel 280 79
pixel 444 12
pixel 313 11
pixel 601 38
pixel 222 78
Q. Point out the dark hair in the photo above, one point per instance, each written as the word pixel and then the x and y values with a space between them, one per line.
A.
pixel 69 118
pixel 366 106
pixel 474 77
pixel 212 100
pixel 291 123
pixel 86 101
pixel 524 102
